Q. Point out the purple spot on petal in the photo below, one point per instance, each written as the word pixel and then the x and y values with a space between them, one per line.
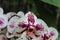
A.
pixel 39 27
pixel 1 21
pixel 31 18
pixel 12 25
pixel 22 24
pixel 52 33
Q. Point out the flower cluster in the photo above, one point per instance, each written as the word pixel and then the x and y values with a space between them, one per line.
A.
pixel 25 27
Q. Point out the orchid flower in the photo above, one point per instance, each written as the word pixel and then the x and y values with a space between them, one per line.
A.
pixel 3 19
pixel 17 29
pixel 3 37
pixel 31 24
pixel 50 34
pixel 11 25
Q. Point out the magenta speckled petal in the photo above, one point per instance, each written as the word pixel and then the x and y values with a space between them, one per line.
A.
pixel 52 33
pixel 39 27
pixel 31 18
pixel 22 24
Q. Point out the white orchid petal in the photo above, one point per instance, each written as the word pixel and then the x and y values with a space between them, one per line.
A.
pixel 40 21
pixel 22 19
pixel 4 20
pixel 1 11
pixel 55 36
pixel 10 14
pixel 20 13
pixel 10 29
pixel 12 22
pixel 18 28
pixel 29 13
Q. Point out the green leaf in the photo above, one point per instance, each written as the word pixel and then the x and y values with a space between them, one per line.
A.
pixel 53 2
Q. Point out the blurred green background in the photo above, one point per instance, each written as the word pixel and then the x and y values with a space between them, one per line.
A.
pixel 48 10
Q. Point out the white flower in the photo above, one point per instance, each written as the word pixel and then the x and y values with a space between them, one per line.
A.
pixel 50 34
pixel 12 28
pixel 3 19
pixel 53 33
